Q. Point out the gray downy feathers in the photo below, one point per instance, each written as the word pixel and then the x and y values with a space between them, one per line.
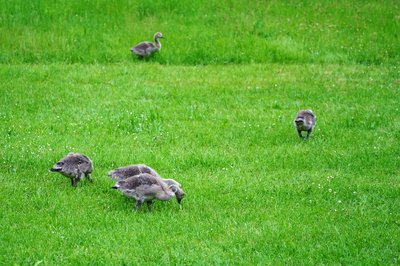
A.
pixel 145 49
pixel 145 187
pixel 135 169
pixel 305 121
pixel 74 166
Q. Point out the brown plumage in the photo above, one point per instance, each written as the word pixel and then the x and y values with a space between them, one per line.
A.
pixel 75 166
pixel 145 49
pixel 145 187
pixel 305 121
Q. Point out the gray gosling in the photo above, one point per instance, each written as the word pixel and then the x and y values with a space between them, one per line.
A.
pixel 135 169
pixel 74 166
pixel 146 187
pixel 305 121
pixel 145 49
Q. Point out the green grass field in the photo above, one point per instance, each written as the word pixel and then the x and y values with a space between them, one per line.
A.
pixel 202 32
pixel 214 110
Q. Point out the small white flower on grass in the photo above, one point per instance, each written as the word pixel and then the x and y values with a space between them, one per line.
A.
pixel 330 190
pixel 329 178
pixel 339 201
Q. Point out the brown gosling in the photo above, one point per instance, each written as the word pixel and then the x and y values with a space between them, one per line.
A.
pixel 135 169
pixel 74 166
pixel 146 187
pixel 305 121
pixel 145 49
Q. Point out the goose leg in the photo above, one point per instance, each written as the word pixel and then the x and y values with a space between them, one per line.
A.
pixel 138 204
pixel 89 176
pixel 299 132
pixel 79 175
pixel 149 205
pixel 73 182
pixel 308 134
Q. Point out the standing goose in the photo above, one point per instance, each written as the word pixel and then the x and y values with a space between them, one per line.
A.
pixel 145 49
pixel 305 121
pixel 146 187
pixel 135 169
pixel 74 166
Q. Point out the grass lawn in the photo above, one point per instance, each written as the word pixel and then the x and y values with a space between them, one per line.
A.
pixel 216 115
pixel 256 193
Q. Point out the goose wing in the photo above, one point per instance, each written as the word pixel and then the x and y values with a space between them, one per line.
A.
pixel 147 169
pixel 309 112
pixel 124 172
pixel 144 48
pixel 138 181
pixel 131 170
pixel 76 159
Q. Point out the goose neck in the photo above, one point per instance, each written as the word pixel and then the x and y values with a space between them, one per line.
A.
pixel 157 43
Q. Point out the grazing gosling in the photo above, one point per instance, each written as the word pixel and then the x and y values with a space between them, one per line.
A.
pixel 145 49
pixel 75 166
pixel 146 187
pixel 135 169
pixel 305 121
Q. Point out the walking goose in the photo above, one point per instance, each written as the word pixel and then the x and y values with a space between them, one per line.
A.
pixel 145 49
pixel 305 121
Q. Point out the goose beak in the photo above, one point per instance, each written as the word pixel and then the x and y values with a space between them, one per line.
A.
pixel 55 169
pixel 179 200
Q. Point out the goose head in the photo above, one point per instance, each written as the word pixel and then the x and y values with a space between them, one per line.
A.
pixel 299 121
pixel 179 193
pixel 57 167
pixel 158 35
